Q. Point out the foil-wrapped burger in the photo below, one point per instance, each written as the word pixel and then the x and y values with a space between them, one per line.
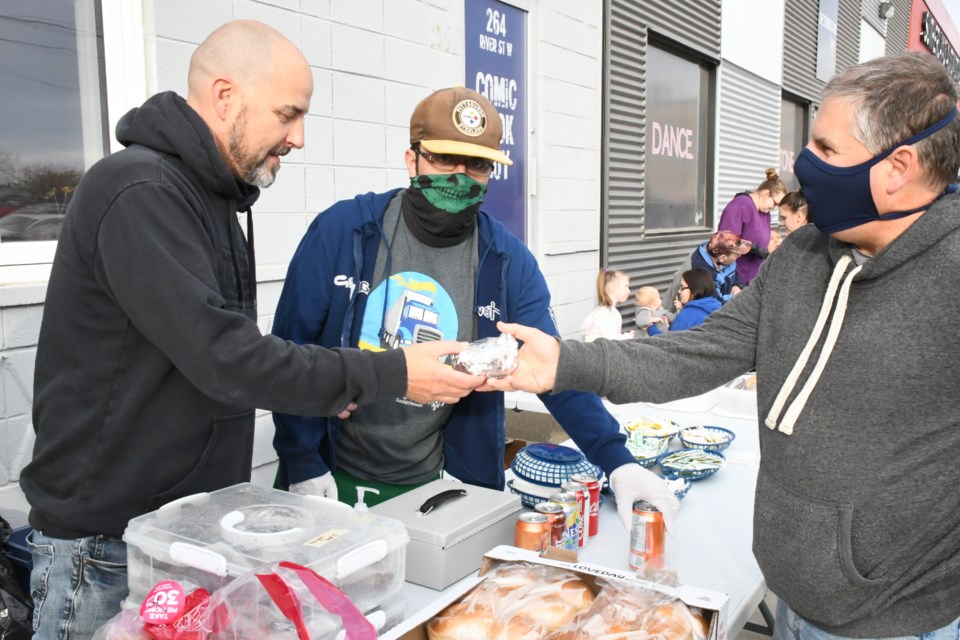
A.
pixel 490 357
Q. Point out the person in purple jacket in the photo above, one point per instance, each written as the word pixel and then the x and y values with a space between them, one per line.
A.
pixel 748 216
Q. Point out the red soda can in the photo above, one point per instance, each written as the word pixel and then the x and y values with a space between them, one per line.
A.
pixel 532 531
pixel 583 499
pixel 593 485
pixel 648 537
pixel 554 513
pixel 571 516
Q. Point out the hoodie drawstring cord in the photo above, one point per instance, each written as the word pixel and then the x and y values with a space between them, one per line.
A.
pixel 793 413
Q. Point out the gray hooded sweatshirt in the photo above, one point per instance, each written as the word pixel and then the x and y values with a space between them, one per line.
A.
pixel 857 512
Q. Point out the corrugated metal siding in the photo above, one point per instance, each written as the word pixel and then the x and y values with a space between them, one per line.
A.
pixel 624 125
pixel 849 23
pixel 800 49
pixel 871 13
pixel 898 28
pixel 749 140
pixel 694 23
pixel 649 260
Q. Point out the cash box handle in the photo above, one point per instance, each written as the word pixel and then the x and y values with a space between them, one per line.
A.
pixel 444 496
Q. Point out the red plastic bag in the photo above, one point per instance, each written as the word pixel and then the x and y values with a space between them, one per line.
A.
pixel 281 601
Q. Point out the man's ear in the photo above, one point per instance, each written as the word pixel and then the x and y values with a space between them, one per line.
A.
pixel 222 95
pixel 410 159
pixel 902 166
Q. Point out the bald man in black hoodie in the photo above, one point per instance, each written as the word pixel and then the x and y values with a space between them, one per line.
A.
pixel 150 363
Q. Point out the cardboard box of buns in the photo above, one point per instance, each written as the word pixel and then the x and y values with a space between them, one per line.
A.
pixel 520 594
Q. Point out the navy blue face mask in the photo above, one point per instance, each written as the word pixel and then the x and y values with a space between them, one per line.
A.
pixel 840 197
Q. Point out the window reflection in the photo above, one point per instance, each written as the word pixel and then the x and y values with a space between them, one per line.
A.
pixel 52 111
pixel 677 134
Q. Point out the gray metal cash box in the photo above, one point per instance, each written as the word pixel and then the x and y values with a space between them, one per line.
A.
pixel 450 532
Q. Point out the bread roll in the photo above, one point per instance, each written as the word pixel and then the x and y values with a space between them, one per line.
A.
pixel 626 612
pixel 518 601
pixel 461 622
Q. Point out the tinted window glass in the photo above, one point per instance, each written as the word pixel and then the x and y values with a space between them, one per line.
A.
pixel 793 137
pixel 52 115
pixel 676 141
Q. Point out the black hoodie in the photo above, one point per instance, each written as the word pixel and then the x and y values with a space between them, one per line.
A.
pixel 150 362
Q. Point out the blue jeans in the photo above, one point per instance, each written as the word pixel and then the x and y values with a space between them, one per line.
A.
pixel 790 626
pixel 77 585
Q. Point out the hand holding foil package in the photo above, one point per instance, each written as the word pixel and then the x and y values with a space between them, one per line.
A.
pixel 490 357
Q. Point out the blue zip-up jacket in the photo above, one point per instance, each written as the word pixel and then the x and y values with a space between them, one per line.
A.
pixel 694 313
pixel 726 278
pixel 323 302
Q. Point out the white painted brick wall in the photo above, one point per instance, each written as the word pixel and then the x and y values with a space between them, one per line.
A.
pixel 358 98
pixel 204 17
pixel 359 144
pixel 319 8
pixel 317 45
pixel 277 246
pixel 407 19
pixel 287 195
pixel 568 142
pixel 318 148
pixel 320 192
pixel 356 50
pixel 287 22
pixel 364 14
pixel 21 325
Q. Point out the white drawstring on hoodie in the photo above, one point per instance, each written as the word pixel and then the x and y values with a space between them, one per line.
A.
pixel 793 412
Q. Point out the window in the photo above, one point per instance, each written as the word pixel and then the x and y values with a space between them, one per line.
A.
pixel 677 136
pixel 793 138
pixel 52 118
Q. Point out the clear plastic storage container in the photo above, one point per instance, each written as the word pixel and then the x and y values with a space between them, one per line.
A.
pixel 208 539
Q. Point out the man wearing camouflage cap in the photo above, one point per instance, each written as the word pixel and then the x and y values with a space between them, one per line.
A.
pixel 425 263
pixel 718 257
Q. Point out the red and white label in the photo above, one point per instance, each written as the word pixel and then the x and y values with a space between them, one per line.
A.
pixel 163 604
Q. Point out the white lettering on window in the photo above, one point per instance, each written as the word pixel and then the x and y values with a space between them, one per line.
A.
pixel 671 140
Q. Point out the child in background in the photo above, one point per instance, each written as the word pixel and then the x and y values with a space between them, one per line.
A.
pixel 613 287
pixel 651 317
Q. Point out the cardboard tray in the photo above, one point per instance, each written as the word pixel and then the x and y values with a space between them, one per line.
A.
pixel 415 627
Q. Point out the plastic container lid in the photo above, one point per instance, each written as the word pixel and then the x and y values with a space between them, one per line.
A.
pixel 234 530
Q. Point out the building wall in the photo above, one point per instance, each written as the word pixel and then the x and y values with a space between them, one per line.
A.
pixel 372 61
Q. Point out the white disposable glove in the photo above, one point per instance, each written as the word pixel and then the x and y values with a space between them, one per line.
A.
pixel 631 482
pixel 324 486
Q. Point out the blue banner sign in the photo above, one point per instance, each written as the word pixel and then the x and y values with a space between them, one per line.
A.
pixel 496 66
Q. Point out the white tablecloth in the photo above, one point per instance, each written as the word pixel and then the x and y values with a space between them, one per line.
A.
pixel 712 545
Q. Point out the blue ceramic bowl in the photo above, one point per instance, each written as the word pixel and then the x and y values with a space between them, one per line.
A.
pixel 717 438
pixel 550 465
pixel 670 469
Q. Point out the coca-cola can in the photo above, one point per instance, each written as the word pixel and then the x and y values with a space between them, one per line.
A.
pixel 593 485
pixel 554 512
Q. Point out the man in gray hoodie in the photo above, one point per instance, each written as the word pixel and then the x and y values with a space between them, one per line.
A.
pixel 857 511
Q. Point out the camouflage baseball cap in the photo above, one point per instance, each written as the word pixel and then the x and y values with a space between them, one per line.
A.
pixel 458 121
pixel 724 242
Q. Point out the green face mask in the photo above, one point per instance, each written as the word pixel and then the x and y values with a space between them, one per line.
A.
pixel 450 192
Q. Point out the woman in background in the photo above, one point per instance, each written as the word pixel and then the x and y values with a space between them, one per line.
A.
pixel 695 299
pixel 793 211
pixel 748 216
